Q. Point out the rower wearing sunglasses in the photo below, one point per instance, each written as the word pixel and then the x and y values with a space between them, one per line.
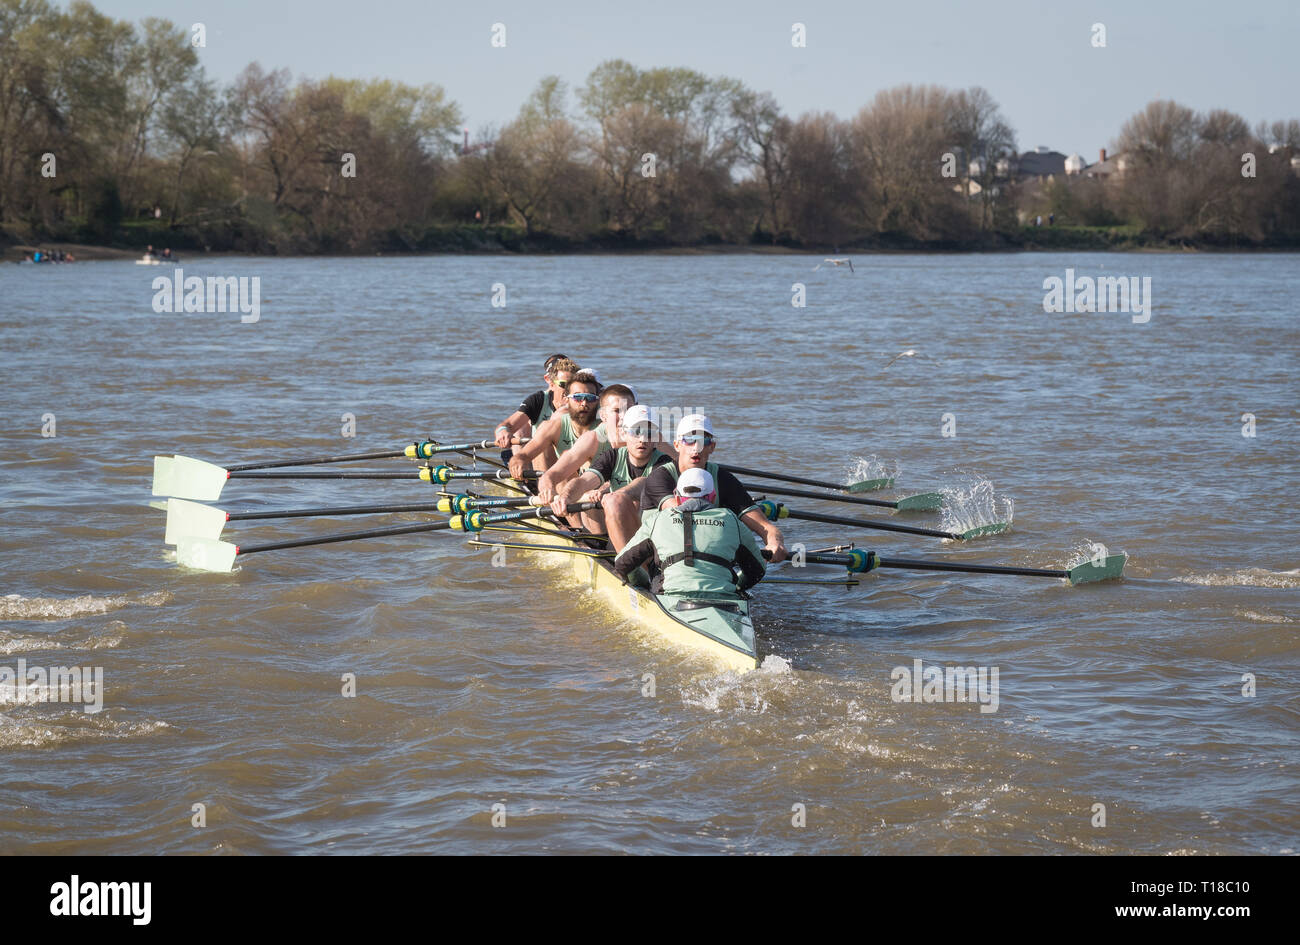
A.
pixel 538 407
pixel 615 477
pixel 694 444
pixel 558 434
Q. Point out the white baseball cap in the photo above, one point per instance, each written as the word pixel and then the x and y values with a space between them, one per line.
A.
pixel 692 422
pixel 694 484
pixel 637 413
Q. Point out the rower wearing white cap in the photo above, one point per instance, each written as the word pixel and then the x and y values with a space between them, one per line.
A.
pixel 694 444
pixel 699 550
pixel 615 477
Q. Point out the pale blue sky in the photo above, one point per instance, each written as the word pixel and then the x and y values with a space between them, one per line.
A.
pixel 1034 56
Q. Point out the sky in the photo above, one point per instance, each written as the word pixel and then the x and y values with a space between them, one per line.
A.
pixel 1036 57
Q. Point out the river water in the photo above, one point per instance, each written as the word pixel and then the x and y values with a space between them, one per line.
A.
pixel 499 710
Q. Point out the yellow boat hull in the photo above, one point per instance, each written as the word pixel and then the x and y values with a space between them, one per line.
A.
pixel 725 637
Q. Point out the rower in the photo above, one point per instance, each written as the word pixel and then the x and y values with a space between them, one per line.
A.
pixel 695 545
pixel 694 444
pixel 615 477
pixel 538 407
pixel 554 437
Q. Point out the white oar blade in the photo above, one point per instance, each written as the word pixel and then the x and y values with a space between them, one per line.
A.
pixel 159 504
pixel 162 475
pixel 197 480
pixel 186 519
pixel 205 554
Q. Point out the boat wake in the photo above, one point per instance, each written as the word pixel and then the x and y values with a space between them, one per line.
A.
pixel 746 692
pixel 1244 577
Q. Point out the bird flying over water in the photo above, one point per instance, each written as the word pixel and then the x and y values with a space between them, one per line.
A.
pixel 835 262
pixel 910 352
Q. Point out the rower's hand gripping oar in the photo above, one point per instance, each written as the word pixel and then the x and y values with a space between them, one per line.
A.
pixel 205 554
pixel 773 511
pixel 860 562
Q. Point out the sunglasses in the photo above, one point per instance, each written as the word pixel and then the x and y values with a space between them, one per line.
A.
pixel 697 439
pixel 584 398
pixel 640 432
pixel 562 385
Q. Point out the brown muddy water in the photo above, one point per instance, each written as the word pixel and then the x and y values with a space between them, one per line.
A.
pixel 1169 697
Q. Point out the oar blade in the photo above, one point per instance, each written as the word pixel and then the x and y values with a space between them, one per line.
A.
pixel 979 531
pixel 1109 569
pixel 194 479
pixel 921 502
pixel 162 475
pixel 186 519
pixel 206 554
pixel 870 485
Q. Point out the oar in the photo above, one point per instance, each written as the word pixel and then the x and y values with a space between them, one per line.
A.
pixel 193 520
pixel 444 474
pixel 773 511
pixel 421 449
pixel 206 554
pixel 430 447
pixel 859 562
pixel 921 502
pixel 866 485
pixel 188 478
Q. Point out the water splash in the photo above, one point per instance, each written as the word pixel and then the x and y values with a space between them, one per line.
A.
pixel 1086 550
pixel 865 468
pixel 974 505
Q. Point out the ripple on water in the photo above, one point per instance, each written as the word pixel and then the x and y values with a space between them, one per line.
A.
pixel 17 607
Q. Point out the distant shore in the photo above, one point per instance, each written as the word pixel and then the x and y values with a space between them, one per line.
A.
pixel 506 240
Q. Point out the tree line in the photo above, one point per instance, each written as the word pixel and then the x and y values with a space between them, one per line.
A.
pixel 112 132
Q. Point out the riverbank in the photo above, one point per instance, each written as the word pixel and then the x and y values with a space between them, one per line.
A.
pixel 474 239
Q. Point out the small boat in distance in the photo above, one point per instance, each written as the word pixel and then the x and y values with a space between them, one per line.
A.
pixel 150 258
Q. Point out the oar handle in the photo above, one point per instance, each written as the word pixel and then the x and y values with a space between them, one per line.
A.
pixel 423 449
pixel 476 520
pixel 444 474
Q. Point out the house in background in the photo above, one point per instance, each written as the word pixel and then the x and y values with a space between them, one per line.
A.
pixel 1042 162
pixel 1107 167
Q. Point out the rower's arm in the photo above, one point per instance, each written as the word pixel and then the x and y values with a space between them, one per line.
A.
pixel 639 550
pixel 771 535
pixel 752 568
pixel 582 451
pixel 543 439
pixel 515 424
